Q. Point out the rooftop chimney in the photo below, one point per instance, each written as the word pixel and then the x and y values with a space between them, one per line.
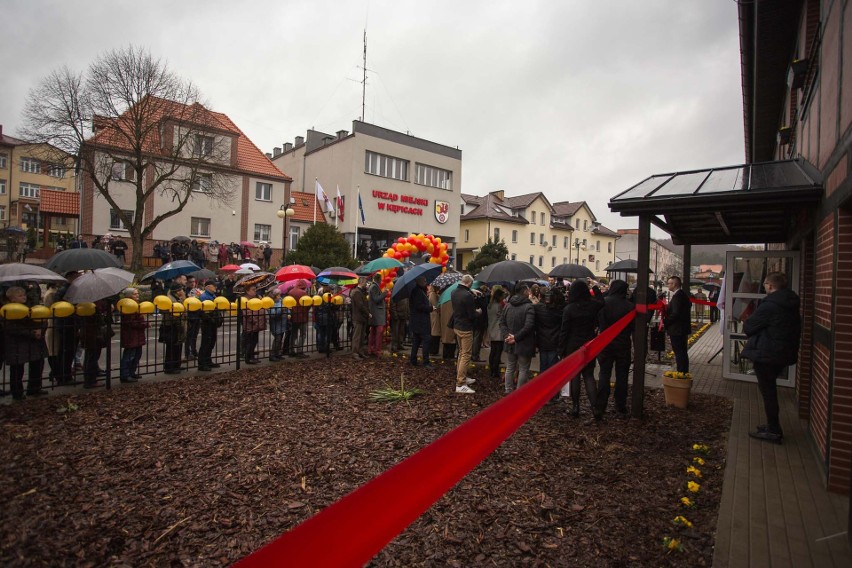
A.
pixel 300 140
pixel 276 151
pixel 268 155
pixel 288 146
pixel 341 134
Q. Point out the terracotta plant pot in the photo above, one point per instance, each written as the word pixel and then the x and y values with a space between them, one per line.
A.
pixel 677 391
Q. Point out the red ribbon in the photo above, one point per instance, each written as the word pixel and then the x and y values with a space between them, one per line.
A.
pixel 355 528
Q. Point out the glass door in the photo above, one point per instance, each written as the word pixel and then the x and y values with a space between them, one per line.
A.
pixel 742 290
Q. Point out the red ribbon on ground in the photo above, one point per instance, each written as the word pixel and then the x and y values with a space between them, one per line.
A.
pixel 355 528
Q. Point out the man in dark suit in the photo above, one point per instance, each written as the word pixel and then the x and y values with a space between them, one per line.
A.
pixel 678 323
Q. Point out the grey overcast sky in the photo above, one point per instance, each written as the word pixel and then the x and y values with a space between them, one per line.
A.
pixel 577 99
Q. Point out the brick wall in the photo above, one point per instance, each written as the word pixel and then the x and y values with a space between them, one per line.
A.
pixel 840 456
pixel 824 265
pixel 819 398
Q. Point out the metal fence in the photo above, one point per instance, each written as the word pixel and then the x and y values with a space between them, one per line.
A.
pixel 66 357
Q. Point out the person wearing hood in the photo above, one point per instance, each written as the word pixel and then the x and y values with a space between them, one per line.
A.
pixel 617 353
pixel 548 322
pixel 517 325
pixel 773 331
pixel 579 324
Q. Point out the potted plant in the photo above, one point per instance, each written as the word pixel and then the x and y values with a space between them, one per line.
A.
pixel 676 387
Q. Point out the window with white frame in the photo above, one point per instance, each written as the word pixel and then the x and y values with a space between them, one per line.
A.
pixel 199 227
pixel 56 170
pixel 553 241
pixel 3 160
pixel 532 259
pixel 294 237
pixel 385 166
pixel 542 239
pixel 2 187
pixel 552 261
pixel 121 171
pixel 29 190
pixel 597 266
pixel 540 261
pixel 532 217
pixel 564 260
pixel 543 218
pixel 263 191
pixel 577 223
pixel 30 166
pixel 115 221
pixel 466 235
pixel 2 212
pixel 433 177
pixel 585 224
pixel 60 221
pixel 609 247
pixel 203 145
pixel 203 183
pixel 514 256
pixel 598 246
pixel 532 238
pixel 496 234
pixel 262 232
pixel 514 236
pixel 566 243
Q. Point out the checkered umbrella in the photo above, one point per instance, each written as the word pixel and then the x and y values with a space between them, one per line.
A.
pixel 446 279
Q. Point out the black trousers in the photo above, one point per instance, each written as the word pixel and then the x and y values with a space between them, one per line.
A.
pixel 250 339
pixel 418 339
pixel 172 352
pixel 208 343
pixel 587 376
pixel 192 327
pixel 16 378
pixel 766 374
pixel 621 361
pixel 495 358
pixel 680 348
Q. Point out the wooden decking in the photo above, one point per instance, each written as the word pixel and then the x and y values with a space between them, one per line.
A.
pixel 775 510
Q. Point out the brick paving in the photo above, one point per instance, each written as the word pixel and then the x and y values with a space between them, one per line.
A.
pixel 775 510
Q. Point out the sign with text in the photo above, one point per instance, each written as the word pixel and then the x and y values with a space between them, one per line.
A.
pixel 408 204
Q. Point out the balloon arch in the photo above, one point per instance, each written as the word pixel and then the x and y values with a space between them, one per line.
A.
pixel 404 247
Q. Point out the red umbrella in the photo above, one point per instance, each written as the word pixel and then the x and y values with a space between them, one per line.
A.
pixel 247 244
pixel 230 268
pixel 294 272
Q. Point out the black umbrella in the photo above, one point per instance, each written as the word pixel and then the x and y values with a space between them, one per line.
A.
pixel 20 272
pixel 203 274
pixel 181 239
pixel 15 230
pixel 509 271
pixel 405 284
pixel 571 271
pixel 72 260
pixel 627 265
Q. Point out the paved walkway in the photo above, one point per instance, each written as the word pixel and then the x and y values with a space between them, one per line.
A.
pixel 775 509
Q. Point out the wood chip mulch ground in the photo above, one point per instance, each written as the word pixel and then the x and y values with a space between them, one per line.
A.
pixel 201 471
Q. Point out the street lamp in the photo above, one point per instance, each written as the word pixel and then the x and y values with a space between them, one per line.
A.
pixel 578 244
pixel 285 212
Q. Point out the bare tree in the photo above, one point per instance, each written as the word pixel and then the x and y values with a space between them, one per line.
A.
pixel 135 128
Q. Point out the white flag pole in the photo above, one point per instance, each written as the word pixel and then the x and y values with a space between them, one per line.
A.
pixel 316 198
pixel 336 207
pixel 358 216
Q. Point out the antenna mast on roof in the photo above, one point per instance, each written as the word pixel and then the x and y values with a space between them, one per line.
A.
pixel 364 81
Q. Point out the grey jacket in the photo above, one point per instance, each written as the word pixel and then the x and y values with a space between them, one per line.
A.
pixel 378 314
pixel 518 319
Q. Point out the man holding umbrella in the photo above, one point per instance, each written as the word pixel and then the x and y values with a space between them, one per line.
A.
pixel 421 326
pixel 464 314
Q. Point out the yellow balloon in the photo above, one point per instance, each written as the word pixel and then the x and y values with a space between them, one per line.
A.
pixel 62 309
pixel 327 297
pixel 208 305
pixel 177 308
pixel 163 303
pixel 86 309
pixel 267 302
pixel 317 300
pixel 127 306
pixel 192 304
pixel 39 312
pixel 146 307
pixel 254 304
pixel 306 301
pixel 289 302
pixel 222 303
pixel 14 311
pixel 243 302
pixel 233 309
pixel 338 300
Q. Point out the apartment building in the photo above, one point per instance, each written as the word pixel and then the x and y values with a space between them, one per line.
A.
pixel 406 184
pixel 225 187
pixel 535 230
pixel 664 261
pixel 37 189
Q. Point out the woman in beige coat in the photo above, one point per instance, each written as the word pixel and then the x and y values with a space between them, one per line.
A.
pixel 448 334
pixel 436 322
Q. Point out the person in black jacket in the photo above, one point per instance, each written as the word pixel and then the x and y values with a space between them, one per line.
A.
pixel 548 322
pixel 678 324
pixel 616 306
pixel 773 332
pixel 579 324
pixel 517 325
pixel 420 326
pixel 464 314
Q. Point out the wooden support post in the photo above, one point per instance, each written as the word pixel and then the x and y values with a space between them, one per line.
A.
pixel 640 333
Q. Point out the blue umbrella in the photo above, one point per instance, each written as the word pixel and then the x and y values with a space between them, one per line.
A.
pixel 172 270
pixel 447 294
pixel 405 284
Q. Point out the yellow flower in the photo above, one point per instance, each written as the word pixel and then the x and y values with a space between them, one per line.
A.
pixel 694 471
pixel 703 448
pixel 693 487
pixel 687 502
pixel 698 460
pixel 681 520
pixel 672 544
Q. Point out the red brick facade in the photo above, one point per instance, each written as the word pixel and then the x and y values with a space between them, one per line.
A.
pixel 840 454
pixel 804 369
pixel 824 273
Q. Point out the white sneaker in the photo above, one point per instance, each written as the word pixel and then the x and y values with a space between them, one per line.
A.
pixel 464 389
pixel 469 381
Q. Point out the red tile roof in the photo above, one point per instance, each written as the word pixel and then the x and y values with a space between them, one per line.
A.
pixel 249 157
pixel 60 202
pixel 302 207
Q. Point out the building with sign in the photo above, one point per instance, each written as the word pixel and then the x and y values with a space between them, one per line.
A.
pixel 536 231
pixel 406 184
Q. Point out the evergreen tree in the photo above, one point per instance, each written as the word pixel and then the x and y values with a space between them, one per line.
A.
pixel 322 246
pixel 491 252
